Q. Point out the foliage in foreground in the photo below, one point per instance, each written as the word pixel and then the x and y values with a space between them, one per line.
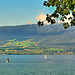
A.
pixel 63 8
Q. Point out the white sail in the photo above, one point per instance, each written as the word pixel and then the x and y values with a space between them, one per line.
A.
pixel 45 56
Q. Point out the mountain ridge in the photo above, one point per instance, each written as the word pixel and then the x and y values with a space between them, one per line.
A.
pixel 33 31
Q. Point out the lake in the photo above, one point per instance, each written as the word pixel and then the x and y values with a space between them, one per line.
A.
pixel 37 65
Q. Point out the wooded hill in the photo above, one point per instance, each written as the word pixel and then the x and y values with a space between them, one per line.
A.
pixel 48 36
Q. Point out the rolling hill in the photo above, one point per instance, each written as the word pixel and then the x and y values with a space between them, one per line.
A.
pixel 48 35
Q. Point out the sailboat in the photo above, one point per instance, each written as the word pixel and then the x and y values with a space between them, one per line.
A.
pixel 45 56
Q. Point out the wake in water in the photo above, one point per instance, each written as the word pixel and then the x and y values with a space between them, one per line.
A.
pixel 46 58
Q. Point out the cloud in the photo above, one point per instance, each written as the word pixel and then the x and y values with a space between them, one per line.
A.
pixel 66 20
pixel 29 22
pixel 31 10
pixel 58 22
pixel 11 14
pixel 42 17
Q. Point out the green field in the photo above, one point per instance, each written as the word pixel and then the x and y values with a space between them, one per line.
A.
pixel 54 49
pixel 27 47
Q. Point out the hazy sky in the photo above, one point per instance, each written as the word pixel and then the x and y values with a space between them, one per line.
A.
pixel 21 12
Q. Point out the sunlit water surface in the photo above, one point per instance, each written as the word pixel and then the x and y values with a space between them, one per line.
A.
pixel 37 65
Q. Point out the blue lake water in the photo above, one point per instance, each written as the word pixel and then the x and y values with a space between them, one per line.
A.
pixel 37 65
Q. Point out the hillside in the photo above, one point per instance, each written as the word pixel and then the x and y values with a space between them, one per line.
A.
pixel 54 34
pixel 48 36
